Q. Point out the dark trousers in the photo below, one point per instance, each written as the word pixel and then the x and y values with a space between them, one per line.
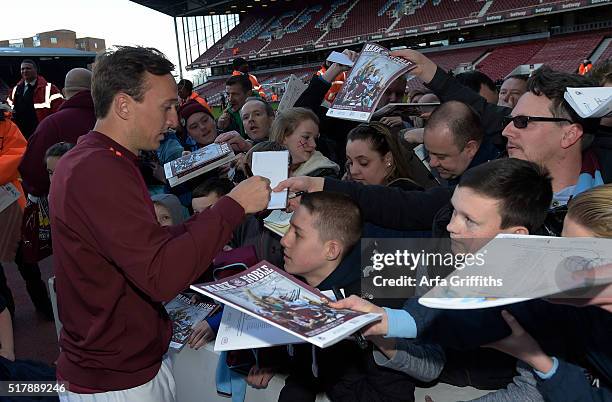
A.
pixel 34 284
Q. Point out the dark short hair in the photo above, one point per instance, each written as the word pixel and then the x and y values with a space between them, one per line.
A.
pixel 462 121
pixel 474 79
pixel 58 150
pixel 521 77
pixel 217 185
pixel 30 61
pixel 188 85
pixel 242 80
pixel 523 188
pixel 336 217
pixel 269 109
pixel 123 70
pixel 238 62
pixel 553 84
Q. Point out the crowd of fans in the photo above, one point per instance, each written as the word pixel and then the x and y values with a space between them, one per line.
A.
pixel 515 160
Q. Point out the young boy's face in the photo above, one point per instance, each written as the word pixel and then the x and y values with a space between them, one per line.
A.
pixel 475 216
pixel 163 215
pixel 201 203
pixel 304 250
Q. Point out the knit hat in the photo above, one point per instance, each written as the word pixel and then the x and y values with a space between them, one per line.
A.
pixel 190 108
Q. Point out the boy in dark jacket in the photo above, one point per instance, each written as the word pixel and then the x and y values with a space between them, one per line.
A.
pixel 324 228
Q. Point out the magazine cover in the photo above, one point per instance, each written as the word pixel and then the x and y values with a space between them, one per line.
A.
pixel 295 88
pixel 197 162
pixel 184 316
pixel 372 73
pixel 516 268
pixel 273 296
pixel 241 331
pixel 590 102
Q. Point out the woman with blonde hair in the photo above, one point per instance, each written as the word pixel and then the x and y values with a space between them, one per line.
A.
pixel 298 129
pixel 589 214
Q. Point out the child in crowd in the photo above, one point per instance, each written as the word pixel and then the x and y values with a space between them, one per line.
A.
pixel 324 228
pixel 208 192
pixel 298 130
pixel 168 209
pixel 53 155
pixel 589 215
pixel 198 123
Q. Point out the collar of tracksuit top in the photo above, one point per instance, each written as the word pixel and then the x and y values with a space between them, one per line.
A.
pixel 590 173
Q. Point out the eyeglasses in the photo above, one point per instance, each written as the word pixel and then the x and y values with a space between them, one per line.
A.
pixel 523 121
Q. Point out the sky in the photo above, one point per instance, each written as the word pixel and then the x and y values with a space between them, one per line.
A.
pixel 119 22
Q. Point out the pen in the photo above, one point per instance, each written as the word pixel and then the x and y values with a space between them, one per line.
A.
pixel 297 194
pixel 361 341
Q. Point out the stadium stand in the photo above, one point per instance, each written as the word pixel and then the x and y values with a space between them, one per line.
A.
pixel 496 65
pixel 429 13
pixel 565 52
pixel 451 59
pixel 607 54
pixel 353 21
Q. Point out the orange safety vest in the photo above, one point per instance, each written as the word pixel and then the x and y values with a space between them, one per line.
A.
pixel 583 69
pixel 336 84
pixel 194 96
pixel 256 87
pixel 12 148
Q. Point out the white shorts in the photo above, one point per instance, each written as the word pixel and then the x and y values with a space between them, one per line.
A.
pixel 160 389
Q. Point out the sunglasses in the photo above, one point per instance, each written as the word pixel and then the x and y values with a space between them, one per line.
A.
pixel 523 121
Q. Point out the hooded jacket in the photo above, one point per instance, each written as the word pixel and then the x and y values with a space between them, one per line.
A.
pixel 317 166
pixel 74 118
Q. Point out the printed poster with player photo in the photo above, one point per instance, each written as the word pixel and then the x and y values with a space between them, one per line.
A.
pixel 277 298
pixel 372 74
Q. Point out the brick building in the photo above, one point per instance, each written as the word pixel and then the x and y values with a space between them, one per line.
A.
pixel 61 38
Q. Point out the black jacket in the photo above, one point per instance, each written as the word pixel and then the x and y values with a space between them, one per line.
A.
pixel 394 208
pixel 345 372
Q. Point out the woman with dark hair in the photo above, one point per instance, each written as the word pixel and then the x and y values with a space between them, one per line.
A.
pixel 374 155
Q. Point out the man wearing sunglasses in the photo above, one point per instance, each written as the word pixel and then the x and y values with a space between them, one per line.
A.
pixel 543 128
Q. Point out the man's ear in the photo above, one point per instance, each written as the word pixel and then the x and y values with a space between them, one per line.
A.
pixel 520 230
pixel 122 106
pixel 333 250
pixel 571 135
pixel 471 148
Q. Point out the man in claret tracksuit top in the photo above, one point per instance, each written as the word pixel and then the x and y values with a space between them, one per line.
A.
pixel 114 263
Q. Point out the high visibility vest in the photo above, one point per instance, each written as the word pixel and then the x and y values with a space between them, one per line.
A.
pixel 336 84
pixel 256 87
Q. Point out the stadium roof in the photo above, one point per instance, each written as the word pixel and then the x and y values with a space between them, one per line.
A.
pixel 43 52
pixel 188 8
